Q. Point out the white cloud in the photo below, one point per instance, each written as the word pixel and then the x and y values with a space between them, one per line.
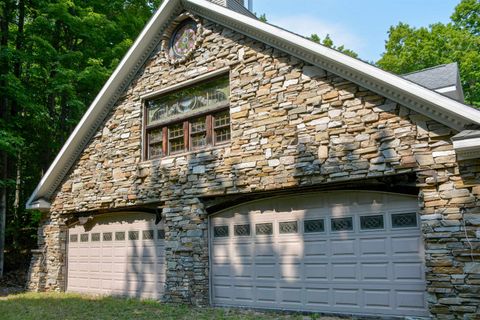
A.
pixel 306 25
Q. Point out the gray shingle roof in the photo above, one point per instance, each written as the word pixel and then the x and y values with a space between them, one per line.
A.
pixel 437 77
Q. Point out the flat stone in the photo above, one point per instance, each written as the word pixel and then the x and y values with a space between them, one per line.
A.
pixel 313 71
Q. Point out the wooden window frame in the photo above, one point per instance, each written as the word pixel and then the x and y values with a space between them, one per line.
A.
pixel 210 128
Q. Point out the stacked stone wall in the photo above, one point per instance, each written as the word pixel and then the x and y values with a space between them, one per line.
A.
pixel 293 125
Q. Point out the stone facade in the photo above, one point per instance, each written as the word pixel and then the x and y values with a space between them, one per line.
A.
pixel 293 125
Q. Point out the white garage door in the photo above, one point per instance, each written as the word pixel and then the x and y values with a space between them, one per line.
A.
pixel 345 252
pixel 118 254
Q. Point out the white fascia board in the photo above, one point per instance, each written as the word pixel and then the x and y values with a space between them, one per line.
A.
pixel 446 89
pixel 40 204
pixel 105 97
pixel 467 148
pixel 443 109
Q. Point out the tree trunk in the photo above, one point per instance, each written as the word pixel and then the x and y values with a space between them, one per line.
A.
pixel 3 210
pixel 16 203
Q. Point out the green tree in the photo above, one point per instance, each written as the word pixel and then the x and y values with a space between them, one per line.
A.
pixel 328 42
pixel 409 49
pixel 54 57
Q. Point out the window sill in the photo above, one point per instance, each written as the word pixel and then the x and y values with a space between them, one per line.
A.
pixel 170 157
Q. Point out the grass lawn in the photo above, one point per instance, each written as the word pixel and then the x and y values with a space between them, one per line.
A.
pixel 63 306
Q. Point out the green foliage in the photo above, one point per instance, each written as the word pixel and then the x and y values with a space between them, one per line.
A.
pixel 55 56
pixel 262 17
pixel 410 49
pixel 328 42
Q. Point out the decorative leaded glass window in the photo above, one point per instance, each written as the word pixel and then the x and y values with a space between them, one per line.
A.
pixel 107 236
pixel 84 237
pixel 160 234
pixel 120 236
pixel 147 234
pixel 73 237
pixel 342 224
pixel 95 236
pixel 188 119
pixel 220 231
pixel 317 225
pixel 264 229
pixel 133 235
pixel 404 220
pixel 288 227
pixel 371 222
pixel 242 230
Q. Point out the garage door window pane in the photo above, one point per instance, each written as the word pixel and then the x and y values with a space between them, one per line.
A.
pixel 147 234
pixel 120 236
pixel 95 236
pixel 342 224
pixel 242 230
pixel 84 237
pixel 220 231
pixel 73 238
pixel 371 222
pixel 311 226
pixel 264 229
pixel 288 227
pixel 160 234
pixel 107 236
pixel 404 220
pixel 133 235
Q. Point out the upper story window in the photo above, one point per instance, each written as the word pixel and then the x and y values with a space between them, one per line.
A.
pixel 188 119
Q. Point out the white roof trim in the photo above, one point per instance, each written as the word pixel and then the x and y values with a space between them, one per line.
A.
pixel 416 97
pixel 446 89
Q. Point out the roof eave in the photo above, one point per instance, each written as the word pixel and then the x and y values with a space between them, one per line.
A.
pixel 467 145
pixel 39 204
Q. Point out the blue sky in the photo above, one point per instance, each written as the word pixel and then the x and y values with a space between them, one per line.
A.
pixel 361 25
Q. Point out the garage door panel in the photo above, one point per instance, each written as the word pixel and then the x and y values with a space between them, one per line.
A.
pixel 290 271
pixel 342 247
pixel 265 250
pixel 376 299
pixel 406 245
pixel 113 260
pixel 375 246
pixel 364 269
pixel 241 270
pixel 375 271
pixel 317 297
pixel 244 293
pixel 266 295
pixel 410 299
pixel 346 297
pixel 408 271
pixel 315 271
pixel 314 248
pixel 291 295
pixel 344 271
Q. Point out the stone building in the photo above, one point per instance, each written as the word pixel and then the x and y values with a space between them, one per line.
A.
pixel 229 162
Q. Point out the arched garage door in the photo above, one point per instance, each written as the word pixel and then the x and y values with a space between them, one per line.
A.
pixel 347 252
pixel 118 254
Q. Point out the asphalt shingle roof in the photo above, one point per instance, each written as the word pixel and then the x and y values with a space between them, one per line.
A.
pixel 436 77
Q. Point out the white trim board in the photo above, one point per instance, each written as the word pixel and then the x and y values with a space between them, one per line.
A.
pixel 436 106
